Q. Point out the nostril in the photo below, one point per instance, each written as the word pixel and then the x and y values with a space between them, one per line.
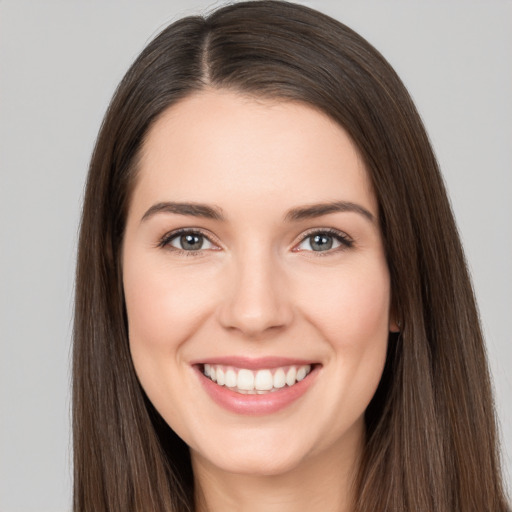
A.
pixel 255 301
pixel 254 320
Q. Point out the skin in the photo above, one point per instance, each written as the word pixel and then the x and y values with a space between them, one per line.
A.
pixel 256 288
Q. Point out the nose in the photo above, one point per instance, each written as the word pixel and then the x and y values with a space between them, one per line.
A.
pixel 256 300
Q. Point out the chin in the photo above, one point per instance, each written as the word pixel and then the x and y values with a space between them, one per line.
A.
pixel 263 453
pixel 258 464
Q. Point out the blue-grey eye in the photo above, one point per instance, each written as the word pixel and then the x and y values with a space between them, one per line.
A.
pixel 323 241
pixel 190 242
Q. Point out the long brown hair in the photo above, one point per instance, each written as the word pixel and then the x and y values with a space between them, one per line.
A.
pixel 431 434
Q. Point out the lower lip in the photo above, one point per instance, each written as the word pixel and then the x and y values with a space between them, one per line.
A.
pixel 256 405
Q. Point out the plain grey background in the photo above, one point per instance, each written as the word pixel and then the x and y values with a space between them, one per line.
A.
pixel 60 62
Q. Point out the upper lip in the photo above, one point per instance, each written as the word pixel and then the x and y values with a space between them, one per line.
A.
pixel 258 363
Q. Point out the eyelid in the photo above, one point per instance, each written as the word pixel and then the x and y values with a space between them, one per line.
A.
pixel 164 241
pixel 345 240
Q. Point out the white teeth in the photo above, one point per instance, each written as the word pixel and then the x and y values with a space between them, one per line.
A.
pixel 263 380
pixel 301 373
pixel 279 378
pixel 221 380
pixel 231 378
pixel 255 382
pixel 290 376
pixel 245 380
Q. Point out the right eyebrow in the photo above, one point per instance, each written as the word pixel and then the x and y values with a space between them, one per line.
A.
pixel 318 210
pixel 192 209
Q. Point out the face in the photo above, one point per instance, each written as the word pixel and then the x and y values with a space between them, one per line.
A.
pixel 256 285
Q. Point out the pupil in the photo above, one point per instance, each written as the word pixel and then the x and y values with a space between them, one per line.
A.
pixel 191 242
pixel 321 242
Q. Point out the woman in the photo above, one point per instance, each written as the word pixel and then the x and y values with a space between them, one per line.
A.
pixel 273 309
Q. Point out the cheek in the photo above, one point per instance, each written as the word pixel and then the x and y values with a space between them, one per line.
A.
pixel 352 310
pixel 164 309
pixel 352 316
pixel 163 306
pixel 353 319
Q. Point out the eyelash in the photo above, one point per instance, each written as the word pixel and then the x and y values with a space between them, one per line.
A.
pixel 165 241
pixel 345 241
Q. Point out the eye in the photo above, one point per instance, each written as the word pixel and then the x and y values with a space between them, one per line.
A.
pixel 187 241
pixel 324 241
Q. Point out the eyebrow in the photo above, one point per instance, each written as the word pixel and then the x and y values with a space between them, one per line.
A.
pixel 317 210
pixel 190 209
pixel 295 214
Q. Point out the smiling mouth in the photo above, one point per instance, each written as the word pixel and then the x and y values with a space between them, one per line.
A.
pixel 256 382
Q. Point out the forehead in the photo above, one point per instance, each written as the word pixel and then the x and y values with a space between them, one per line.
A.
pixel 217 146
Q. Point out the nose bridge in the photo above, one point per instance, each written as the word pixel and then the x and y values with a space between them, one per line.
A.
pixel 256 299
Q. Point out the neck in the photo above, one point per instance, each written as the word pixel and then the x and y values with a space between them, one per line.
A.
pixel 323 482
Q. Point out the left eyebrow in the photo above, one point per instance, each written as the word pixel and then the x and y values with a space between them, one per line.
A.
pixel 317 210
pixel 189 209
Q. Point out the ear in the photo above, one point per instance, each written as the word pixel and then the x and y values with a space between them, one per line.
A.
pixel 394 322
pixel 394 325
